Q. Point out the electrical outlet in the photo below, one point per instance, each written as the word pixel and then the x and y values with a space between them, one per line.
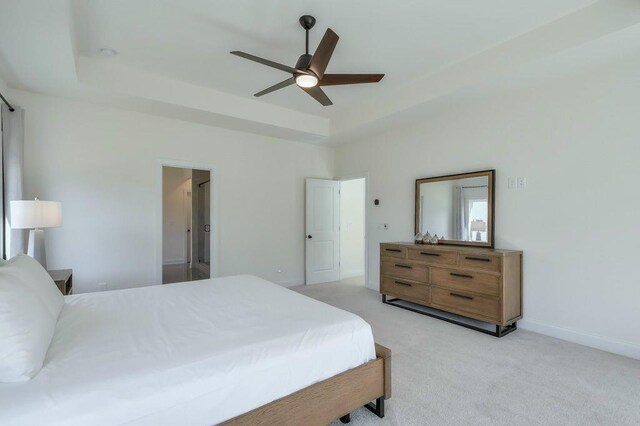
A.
pixel 522 182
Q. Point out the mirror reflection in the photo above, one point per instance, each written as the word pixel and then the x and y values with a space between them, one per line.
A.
pixel 456 208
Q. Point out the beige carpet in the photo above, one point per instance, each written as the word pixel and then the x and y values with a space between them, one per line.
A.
pixel 444 374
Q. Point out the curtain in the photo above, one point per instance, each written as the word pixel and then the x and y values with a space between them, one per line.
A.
pixel 459 214
pixel 13 240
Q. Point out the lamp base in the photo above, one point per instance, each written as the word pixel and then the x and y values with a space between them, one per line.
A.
pixel 36 246
pixel 478 236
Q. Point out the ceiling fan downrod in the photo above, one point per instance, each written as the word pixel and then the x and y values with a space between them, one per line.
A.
pixel 307 22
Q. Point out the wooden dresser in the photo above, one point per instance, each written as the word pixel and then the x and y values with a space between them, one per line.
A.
pixel 479 283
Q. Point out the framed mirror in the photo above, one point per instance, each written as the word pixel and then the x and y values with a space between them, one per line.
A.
pixel 458 208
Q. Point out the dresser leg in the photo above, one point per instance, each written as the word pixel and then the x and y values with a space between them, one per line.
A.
pixel 503 331
pixel 346 419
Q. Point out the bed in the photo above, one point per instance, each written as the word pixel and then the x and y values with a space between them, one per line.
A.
pixel 235 350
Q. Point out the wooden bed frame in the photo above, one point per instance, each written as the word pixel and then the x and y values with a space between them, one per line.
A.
pixel 329 400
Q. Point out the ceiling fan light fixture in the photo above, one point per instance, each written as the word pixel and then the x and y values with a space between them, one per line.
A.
pixel 306 80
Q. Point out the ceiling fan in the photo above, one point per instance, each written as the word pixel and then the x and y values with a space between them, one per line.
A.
pixel 308 73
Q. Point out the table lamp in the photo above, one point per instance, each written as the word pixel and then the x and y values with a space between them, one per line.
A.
pixel 478 226
pixel 35 215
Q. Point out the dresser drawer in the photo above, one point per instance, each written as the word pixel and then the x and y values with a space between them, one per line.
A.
pixel 434 257
pixel 466 304
pixel 466 281
pixel 477 261
pixel 406 270
pixel 405 289
pixel 395 252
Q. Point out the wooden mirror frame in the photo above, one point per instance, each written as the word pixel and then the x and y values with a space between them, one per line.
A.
pixel 491 176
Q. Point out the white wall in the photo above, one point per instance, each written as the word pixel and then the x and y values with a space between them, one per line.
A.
pixel 176 182
pixel 352 199
pixel 3 88
pixel 102 163
pixel 577 142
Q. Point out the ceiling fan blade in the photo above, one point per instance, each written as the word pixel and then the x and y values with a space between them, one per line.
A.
pixel 281 85
pixel 336 79
pixel 317 94
pixel 323 53
pixel 266 62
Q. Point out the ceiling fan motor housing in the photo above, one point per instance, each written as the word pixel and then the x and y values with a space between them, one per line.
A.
pixel 303 61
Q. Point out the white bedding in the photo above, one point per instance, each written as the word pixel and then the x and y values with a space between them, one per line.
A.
pixel 191 353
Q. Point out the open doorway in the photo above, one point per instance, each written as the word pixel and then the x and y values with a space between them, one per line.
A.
pixel 335 248
pixel 186 224
pixel 352 230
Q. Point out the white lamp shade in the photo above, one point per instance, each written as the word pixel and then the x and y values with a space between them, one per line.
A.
pixel 478 226
pixel 29 214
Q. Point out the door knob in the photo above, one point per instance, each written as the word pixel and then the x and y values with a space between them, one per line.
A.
pixel 309 237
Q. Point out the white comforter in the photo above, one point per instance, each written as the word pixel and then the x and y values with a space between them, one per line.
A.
pixel 184 354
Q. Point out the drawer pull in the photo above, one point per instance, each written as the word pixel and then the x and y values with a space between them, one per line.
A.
pixel 394 250
pixel 426 253
pixel 461 296
pixel 402 283
pixel 403 266
pixel 479 259
pixel 460 275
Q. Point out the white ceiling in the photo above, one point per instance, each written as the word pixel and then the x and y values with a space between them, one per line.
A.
pixel 174 54
pixel 190 40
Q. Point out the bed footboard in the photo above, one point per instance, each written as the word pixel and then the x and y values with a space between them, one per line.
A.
pixel 330 399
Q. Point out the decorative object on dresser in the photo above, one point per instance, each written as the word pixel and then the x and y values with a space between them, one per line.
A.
pixel 35 215
pixel 454 206
pixel 63 279
pixel 480 283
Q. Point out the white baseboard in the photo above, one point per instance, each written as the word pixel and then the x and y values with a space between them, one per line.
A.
pixel 289 283
pixel 350 274
pixel 617 347
pixel 173 261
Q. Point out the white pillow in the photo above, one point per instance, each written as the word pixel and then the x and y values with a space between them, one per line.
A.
pixel 35 277
pixel 26 330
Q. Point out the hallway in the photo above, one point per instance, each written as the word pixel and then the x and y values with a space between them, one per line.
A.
pixel 181 272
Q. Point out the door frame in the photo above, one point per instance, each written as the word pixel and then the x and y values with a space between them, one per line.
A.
pixel 365 176
pixel 213 211
pixel 186 202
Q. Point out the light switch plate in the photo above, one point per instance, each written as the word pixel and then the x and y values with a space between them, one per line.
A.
pixel 511 183
pixel 522 182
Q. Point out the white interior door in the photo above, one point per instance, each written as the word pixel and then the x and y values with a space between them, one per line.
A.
pixel 322 249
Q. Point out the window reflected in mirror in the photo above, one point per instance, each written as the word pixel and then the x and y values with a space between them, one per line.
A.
pixel 457 208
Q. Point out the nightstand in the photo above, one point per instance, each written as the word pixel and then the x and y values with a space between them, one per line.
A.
pixel 63 279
